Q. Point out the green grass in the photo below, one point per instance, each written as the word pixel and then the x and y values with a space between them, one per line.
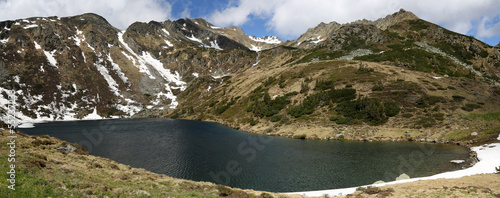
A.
pixel 487 116
pixel 415 59
pixel 319 55
pixel 465 134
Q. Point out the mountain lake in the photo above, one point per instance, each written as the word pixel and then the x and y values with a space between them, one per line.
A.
pixel 205 151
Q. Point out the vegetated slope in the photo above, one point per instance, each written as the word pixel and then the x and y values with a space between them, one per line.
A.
pixel 363 80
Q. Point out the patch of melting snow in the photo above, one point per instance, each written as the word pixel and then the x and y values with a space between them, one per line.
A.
pixel 165 73
pixel 93 115
pixel 30 26
pixel 219 76
pixel 196 75
pixel 209 87
pixel 194 39
pixel 4 40
pixel 255 48
pixel 168 43
pixel 268 40
pixel 50 57
pixel 487 155
pixel 76 37
pixel 166 32
pixel 317 40
pixel 213 44
pixel 113 86
pixel 118 70
pixel 137 60
pixel 36 45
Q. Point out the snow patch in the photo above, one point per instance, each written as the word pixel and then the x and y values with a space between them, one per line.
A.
pixel 317 40
pixel 113 86
pixel 255 48
pixel 168 43
pixel 194 39
pixel 213 44
pixel 215 27
pixel 209 87
pixel 4 40
pixel 37 46
pixel 50 57
pixel 118 70
pixel 93 115
pixel 166 32
pixel 165 73
pixel 266 39
pixel 77 39
pixel 196 75
pixel 137 60
pixel 30 26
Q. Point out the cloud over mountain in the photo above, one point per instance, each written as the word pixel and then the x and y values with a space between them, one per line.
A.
pixel 292 17
pixel 120 13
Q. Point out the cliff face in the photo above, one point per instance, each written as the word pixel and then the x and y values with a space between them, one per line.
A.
pixel 81 66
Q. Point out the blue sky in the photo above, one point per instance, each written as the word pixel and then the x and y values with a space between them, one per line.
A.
pixel 286 19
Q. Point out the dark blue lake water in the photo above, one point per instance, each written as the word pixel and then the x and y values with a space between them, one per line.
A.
pixel 205 151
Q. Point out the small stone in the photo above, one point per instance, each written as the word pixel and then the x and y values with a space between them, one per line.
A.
pixel 473 134
pixel 457 161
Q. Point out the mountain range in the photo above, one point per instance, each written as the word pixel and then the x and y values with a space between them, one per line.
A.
pixel 399 71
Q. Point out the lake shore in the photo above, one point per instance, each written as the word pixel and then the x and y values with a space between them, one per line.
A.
pixel 488 155
pixel 345 191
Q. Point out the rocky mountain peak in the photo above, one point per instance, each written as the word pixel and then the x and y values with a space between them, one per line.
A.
pixel 402 15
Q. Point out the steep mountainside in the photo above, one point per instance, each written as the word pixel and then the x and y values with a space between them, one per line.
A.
pixel 66 68
pixel 363 80
pixel 334 81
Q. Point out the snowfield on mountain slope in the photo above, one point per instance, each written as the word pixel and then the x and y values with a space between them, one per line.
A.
pixel 269 39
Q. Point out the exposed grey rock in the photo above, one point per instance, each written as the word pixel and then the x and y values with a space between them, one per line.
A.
pixel 473 134
pixel 68 148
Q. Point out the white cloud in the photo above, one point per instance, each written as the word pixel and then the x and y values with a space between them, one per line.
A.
pixel 120 13
pixel 291 18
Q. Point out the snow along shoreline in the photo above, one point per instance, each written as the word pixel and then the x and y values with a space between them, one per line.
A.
pixel 487 154
pixel 27 122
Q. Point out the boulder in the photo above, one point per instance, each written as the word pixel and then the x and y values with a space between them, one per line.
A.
pixel 379 182
pixel 402 177
pixel 457 161
pixel 68 148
